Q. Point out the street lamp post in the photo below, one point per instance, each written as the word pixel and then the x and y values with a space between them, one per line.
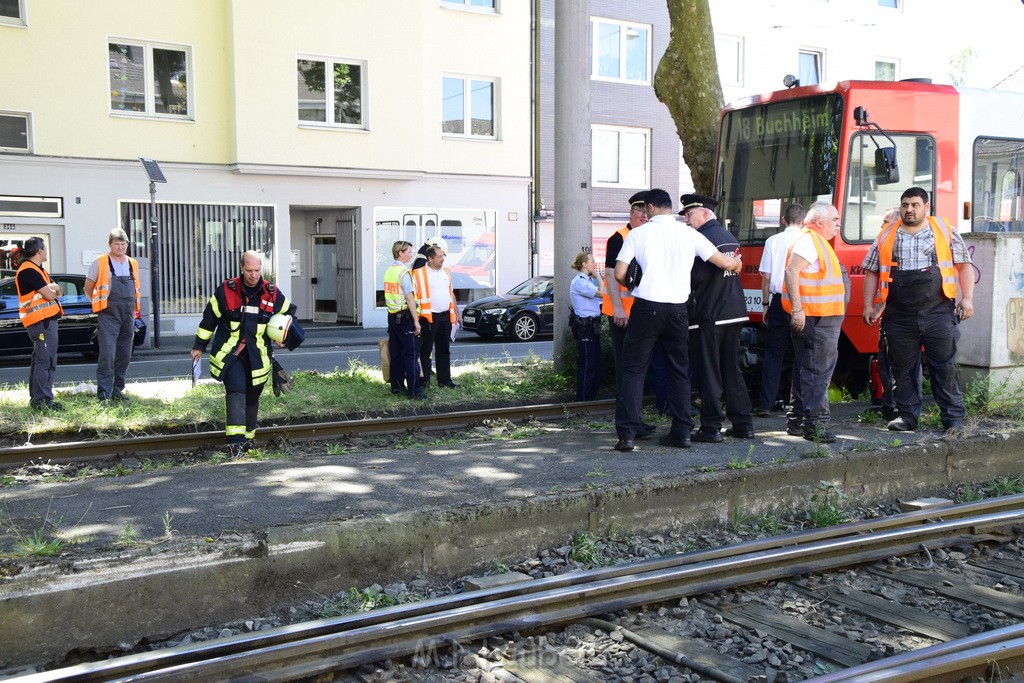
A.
pixel 155 176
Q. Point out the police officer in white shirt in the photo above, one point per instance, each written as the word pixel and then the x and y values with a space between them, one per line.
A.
pixel 776 321
pixel 664 248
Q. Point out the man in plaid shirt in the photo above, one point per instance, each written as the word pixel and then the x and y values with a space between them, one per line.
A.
pixel 911 273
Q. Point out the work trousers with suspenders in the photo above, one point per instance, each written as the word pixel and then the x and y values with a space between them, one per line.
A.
pixel 917 313
pixel 115 331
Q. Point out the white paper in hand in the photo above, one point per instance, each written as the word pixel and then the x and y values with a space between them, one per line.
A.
pixel 455 330
pixel 197 369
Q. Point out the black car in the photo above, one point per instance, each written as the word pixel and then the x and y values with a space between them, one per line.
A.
pixel 524 312
pixel 77 325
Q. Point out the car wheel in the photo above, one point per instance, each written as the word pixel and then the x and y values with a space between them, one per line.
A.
pixel 524 327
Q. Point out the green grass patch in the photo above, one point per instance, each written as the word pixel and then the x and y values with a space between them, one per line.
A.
pixel 355 392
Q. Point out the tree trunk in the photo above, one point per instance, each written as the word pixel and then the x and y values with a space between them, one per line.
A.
pixel 687 83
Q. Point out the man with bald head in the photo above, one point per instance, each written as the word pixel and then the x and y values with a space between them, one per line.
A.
pixel 235 319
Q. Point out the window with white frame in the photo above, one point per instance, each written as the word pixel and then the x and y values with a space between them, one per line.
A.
pixel 809 67
pixel 620 51
pixel 480 5
pixel 890 4
pixel 885 70
pixel 729 52
pixel 12 12
pixel 621 156
pixel 468 105
pixel 331 85
pixel 149 78
pixel 15 132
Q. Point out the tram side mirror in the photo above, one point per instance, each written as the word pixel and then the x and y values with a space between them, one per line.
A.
pixel 886 170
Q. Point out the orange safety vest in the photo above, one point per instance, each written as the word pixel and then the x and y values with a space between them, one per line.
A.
pixel 32 307
pixel 421 286
pixel 101 290
pixel 822 293
pixel 627 299
pixel 943 257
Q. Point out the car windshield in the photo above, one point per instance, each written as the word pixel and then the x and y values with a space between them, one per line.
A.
pixel 533 287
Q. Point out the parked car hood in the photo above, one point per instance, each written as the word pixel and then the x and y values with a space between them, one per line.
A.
pixel 497 301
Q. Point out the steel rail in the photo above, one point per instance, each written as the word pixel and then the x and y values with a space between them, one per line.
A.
pixel 971 655
pixel 317 647
pixel 79 451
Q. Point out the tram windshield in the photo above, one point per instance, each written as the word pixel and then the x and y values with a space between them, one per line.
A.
pixel 772 155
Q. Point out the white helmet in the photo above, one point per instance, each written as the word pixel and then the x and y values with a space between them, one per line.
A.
pixel 438 241
pixel 278 326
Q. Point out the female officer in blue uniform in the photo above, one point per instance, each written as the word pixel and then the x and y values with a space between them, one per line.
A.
pixel 585 293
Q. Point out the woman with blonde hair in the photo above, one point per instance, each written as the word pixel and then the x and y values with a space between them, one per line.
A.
pixel 585 293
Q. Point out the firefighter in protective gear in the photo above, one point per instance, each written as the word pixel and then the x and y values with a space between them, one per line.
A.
pixel 911 274
pixel 241 356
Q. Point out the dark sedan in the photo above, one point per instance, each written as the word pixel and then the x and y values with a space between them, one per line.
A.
pixel 77 325
pixel 524 312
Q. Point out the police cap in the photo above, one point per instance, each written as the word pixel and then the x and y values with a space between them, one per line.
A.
pixel 692 201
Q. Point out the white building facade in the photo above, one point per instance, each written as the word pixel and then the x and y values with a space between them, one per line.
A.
pixel 292 129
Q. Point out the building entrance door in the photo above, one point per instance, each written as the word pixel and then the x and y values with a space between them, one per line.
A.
pixel 325 279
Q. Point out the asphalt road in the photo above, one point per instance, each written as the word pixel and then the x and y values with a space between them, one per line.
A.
pixel 319 352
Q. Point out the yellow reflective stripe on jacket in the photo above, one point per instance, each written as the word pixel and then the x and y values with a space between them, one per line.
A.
pixel 943 257
pixel 627 299
pixel 394 298
pixel 822 293
pixel 32 307
pixel 101 291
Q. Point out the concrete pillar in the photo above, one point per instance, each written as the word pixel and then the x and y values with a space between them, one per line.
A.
pixel 992 342
pixel 572 155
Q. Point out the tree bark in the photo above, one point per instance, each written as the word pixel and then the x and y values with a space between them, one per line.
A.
pixel 687 83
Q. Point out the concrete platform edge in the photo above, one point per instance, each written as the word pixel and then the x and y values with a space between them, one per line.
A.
pixel 156 597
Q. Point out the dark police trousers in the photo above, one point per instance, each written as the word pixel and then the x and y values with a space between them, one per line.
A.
pixel 588 357
pixel 917 314
pixel 649 323
pixel 777 341
pixel 403 347
pixel 715 352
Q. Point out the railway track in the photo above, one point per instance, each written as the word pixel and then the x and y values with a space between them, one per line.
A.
pixel 321 647
pixel 92 450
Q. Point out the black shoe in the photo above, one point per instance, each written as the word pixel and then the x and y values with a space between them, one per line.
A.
pixel 888 413
pixel 675 441
pixel 706 435
pixel 819 434
pixel 955 426
pixel 624 445
pixel 100 396
pixel 118 396
pixel 397 392
pixel 901 424
pixel 647 429
pixel 763 412
pixel 794 429
pixel 418 396
pixel 740 433
pixel 450 385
